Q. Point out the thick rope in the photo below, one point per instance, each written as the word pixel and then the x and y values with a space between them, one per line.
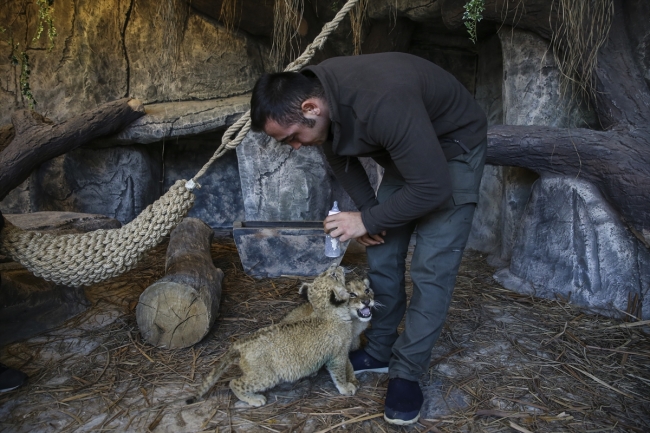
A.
pixel 102 254
pixel 81 259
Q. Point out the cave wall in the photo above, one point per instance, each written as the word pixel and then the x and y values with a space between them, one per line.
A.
pixel 154 51
pixel 194 76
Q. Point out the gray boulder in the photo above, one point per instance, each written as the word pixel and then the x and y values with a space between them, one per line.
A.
pixel 219 201
pixel 572 243
pixel 118 182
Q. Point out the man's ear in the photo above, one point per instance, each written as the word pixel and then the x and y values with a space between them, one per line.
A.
pixel 311 106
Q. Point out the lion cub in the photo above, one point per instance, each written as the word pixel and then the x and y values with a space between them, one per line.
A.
pixel 286 352
pixel 360 305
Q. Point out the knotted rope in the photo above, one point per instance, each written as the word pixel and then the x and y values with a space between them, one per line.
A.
pixel 82 259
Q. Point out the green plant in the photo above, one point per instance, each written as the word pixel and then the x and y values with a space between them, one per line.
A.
pixel 25 71
pixel 20 59
pixel 472 15
pixel 45 11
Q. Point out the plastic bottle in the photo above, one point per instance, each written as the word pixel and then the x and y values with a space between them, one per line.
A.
pixel 332 245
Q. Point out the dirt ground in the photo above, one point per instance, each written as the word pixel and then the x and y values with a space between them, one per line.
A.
pixel 505 362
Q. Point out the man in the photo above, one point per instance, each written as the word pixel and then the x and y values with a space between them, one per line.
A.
pixel 420 124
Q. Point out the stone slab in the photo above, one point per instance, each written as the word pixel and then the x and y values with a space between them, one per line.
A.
pixel 177 119
pixel 62 222
pixel 276 248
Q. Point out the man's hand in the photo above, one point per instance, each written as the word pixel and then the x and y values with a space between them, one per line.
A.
pixel 348 225
pixel 370 240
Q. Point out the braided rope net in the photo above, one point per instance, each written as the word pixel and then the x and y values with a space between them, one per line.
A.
pixel 82 259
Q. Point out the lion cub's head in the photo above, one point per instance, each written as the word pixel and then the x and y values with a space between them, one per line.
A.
pixel 328 289
pixel 362 299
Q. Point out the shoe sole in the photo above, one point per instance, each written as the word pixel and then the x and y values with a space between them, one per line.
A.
pixel 401 421
pixel 9 389
pixel 372 370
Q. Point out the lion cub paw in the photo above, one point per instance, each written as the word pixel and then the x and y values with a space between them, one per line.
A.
pixel 347 388
pixel 256 400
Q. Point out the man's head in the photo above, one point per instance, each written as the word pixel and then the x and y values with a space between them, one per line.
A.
pixel 290 107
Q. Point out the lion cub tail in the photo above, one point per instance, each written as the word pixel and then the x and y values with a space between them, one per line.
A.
pixel 226 361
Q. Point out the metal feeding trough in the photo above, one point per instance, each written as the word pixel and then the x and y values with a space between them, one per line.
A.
pixel 275 248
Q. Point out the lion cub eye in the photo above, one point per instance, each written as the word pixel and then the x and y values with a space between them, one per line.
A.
pixel 353 295
pixel 367 291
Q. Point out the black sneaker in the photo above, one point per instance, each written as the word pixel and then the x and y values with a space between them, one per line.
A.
pixel 361 362
pixel 403 401
pixel 10 378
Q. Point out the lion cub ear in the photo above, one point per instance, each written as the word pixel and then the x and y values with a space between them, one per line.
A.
pixel 366 282
pixel 339 296
pixel 303 291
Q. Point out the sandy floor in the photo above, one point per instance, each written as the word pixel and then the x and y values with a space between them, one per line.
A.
pixel 505 362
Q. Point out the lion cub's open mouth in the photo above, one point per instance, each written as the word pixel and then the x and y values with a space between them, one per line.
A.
pixel 364 313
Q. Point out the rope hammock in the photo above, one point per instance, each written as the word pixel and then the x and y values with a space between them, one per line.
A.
pixel 82 259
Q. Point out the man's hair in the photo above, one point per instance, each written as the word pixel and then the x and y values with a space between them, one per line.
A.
pixel 279 97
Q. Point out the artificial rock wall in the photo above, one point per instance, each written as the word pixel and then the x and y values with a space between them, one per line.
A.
pixel 194 75
pixel 555 237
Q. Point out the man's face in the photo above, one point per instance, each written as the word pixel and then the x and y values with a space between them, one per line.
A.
pixel 298 135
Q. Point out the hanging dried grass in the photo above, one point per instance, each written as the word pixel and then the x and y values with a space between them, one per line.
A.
pixel 580 29
pixel 287 16
pixel 357 16
pixel 227 14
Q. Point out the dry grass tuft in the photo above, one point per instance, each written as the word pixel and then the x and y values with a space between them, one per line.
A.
pixel 505 362
pixel 357 17
pixel 228 13
pixel 287 17
pixel 580 29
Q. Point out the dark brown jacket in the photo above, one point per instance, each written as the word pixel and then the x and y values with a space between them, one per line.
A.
pixel 396 108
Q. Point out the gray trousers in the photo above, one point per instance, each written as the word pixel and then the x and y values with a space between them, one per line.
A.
pixel 440 242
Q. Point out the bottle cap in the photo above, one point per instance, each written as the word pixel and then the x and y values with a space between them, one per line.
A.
pixel 335 209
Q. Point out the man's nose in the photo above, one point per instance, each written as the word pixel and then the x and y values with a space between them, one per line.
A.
pixel 296 145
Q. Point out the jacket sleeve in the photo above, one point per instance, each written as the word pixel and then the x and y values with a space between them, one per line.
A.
pixel 402 126
pixel 352 176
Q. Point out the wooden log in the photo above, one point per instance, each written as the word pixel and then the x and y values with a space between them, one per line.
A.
pixel 179 309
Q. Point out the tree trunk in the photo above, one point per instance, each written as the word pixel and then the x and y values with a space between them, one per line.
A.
pixel 617 162
pixel 37 140
pixel 179 309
